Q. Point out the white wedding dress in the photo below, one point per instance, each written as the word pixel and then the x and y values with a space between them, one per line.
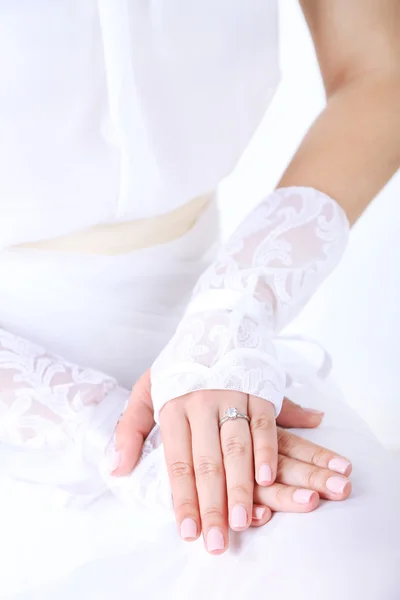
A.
pixel 113 132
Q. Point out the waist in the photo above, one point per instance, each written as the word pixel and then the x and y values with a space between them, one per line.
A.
pixel 120 238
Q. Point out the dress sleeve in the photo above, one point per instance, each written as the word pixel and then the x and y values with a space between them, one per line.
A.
pixel 261 279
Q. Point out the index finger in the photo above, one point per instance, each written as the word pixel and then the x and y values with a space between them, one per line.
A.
pixel 293 446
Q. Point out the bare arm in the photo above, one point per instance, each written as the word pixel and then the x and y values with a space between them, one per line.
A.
pixel 353 148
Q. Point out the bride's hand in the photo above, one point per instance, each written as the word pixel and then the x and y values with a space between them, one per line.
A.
pixel 212 470
pixel 138 421
pixel 306 473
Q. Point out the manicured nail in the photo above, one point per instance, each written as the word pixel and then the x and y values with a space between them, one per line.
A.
pixel 313 411
pixel 238 518
pixel 188 529
pixel 112 459
pixel 336 484
pixel 215 540
pixel 303 496
pixel 258 513
pixel 264 474
pixel 338 464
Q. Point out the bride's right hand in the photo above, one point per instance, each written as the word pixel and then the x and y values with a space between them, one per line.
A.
pixel 306 472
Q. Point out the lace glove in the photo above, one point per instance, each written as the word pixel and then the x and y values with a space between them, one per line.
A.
pixel 261 279
pixel 53 409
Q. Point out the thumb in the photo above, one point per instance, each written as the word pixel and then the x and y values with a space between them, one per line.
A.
pixel 294 415
pixel 134 426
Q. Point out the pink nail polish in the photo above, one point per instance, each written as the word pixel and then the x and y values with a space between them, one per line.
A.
pixel 339 464
pixel 112 460
pixel 303 496
pixel 188 529
pixel 215 540
pixel 313 411
pixel 258 513
pixel 264 474
pixel 336 485
pixel 238 518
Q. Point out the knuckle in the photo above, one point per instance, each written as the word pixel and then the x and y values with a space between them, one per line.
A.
pixel 200 401
pixel 280 466
pixel 285 443
pixel 185 505
pixel 233 447
pixel 319 456
pixel 180 469
pixel 171 409
pixel 207 468
pixel 200 396
pixel 313 478
pixel 261 422
pixel 212 514
pixel 280 495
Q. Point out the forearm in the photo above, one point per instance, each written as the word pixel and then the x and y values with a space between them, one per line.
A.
pixel 353 148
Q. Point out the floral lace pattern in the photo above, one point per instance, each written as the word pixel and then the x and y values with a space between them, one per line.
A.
pixel 261 279
pixel 44 400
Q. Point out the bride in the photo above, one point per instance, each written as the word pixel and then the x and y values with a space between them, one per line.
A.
pixel 118 122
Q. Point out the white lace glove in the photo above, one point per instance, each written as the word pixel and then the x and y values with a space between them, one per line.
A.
pixel 261 279
pixel 57 421
pixel 45 400
pixel 56 418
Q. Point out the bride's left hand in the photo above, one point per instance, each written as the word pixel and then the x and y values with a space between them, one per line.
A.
pixel 305 472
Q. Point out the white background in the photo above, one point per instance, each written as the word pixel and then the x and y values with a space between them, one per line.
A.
pixel 356 312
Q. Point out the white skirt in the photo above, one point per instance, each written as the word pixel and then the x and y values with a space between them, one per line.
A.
pixel 115 314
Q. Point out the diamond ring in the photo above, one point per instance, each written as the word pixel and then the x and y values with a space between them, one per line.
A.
pixel 231 414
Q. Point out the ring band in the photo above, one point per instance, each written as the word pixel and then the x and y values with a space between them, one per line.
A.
pixel 231 414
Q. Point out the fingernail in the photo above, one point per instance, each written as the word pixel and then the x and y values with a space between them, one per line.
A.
pixel 264 474
pixel 338 464
pixel 215 540
pixel 303 496
pixel 112 459
pixel 258 513
pixel 238 518
pixel 313 411
pixel 336 484
pixel 188 529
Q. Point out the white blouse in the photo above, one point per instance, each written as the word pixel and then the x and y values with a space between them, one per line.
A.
pixel 112 110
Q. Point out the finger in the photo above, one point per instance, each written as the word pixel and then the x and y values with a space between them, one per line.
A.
pixel 265 441
pixel 237 451
pixel 261 515
pixel 177 443
pixel 294 415
pixel 300 474
pixel 285 498
pixel 209 472
pixel 134 426
pixel 293 446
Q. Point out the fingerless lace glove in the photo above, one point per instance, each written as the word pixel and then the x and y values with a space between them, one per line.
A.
pixel 48 403
pixel 261 279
